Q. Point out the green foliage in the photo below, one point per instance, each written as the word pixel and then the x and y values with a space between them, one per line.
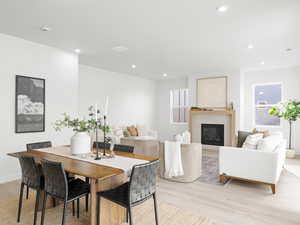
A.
pixel 289 111
pixel 81 125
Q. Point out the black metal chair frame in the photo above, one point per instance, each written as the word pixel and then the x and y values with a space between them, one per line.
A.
pixel 124 148
pixel 101 145
pixel 33 180
pixel 129 204
pixel 65 199
pixel 37 145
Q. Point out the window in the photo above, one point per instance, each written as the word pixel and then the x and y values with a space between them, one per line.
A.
pixel 179 105
pixel 266 96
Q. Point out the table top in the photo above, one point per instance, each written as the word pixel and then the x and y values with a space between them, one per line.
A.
pixel 82 168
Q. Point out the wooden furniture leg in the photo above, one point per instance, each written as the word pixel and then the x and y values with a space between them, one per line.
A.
pixel 273 188
pixel 93 201
pixel 221 178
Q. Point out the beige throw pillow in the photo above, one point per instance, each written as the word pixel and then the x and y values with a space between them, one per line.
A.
pixel 132 130
pixel 266 133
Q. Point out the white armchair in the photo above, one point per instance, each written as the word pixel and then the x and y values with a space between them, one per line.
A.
pixel 252 165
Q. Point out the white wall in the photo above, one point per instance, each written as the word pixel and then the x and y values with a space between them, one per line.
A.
pixel 131 99
pixel 233 89
pixel 60 69
pixel 166 130
pixel 290 79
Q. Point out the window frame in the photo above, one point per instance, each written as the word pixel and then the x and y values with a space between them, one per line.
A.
pixel 268 105
pixel 171 92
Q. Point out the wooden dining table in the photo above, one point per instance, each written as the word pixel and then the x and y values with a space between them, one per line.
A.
pixel 101 178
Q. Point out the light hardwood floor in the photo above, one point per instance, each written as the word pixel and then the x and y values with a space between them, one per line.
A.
pixel 236 203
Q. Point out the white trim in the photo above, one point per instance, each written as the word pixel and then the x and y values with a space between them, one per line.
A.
pixel 10 177
pixel 179 107
pixel 254 105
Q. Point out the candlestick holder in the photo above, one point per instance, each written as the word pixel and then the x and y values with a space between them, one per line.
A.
pixel 98 157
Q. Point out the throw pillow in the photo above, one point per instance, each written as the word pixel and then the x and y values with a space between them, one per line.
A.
pixel 142 131
pixel 252 141
pixel 242 135
pixel 264 132
pixel 132 130
pixel 269 143
pixel 126 133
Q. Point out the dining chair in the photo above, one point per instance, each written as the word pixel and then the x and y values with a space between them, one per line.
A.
pixel 39 145
pixel 141 187
pixel 31 177
pixel 124 148
pixel 101 145
pixel 57 186
pixel 33 146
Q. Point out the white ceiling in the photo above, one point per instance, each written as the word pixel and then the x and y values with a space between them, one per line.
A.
pixel 176 37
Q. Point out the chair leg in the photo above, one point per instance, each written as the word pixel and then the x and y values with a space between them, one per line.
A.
pixel 98 209
pixel 78 204
pixel 73 207
pixel 53 202
pixel 20 202
pixel 87 196
pixel 37 201
pixel 126 215
pixel 130 215
pixel 27 192
pixel 43 209
pixel 155 209
pixel 64 213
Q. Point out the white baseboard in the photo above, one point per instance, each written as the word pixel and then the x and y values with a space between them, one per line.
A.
pixel 10 177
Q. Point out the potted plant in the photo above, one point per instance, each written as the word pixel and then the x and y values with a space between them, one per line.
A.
pixel 81 140
pixel 289 111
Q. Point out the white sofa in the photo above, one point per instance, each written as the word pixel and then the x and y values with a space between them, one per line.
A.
pixel 116 134
pixel 252 165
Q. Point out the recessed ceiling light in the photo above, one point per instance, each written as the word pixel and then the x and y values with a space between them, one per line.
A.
pixel 250 46
pixel 133 66
pixel 222 8
pixel 120 48
pixel 77 50
pixel 262 63
pixel 45 28
pixel 165 75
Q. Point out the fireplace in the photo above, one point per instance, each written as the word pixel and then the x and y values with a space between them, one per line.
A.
pixel 212 134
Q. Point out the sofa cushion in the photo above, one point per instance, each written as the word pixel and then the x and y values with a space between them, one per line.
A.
pixel 132 130
pixel 269 144
pixel 252 141
pixel 242 135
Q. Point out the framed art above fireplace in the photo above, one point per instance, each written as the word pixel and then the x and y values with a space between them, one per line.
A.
pixel 212 92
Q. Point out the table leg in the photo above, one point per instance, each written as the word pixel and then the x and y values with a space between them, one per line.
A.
pixel 93 201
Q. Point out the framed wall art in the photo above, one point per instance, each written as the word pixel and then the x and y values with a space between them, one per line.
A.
pixel 212 92
pixel 30 104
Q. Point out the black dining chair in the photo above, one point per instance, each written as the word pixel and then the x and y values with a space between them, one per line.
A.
pixel 57 186
pixel 101 145
pixel 33 146
pixel 39 145
pixel 141 187
pixel 31 177
pixel 124 148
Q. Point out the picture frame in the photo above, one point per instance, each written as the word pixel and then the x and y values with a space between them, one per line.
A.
pixel 212 92
pixel 29 104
